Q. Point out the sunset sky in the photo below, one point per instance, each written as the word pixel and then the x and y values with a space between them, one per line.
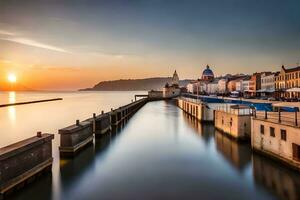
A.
pixel 71 44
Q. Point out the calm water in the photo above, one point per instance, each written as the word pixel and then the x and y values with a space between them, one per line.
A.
pixel 159 154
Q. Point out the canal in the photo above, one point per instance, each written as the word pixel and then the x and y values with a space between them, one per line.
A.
pixel 162 153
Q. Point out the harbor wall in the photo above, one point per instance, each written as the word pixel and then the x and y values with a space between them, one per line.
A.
pixel 235 125
pixel 77 136
pixel 196 109
pixel 277 140
pixel 22 161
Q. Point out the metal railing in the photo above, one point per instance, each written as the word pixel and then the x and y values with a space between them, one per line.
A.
pixel 287 118
pixel 241 111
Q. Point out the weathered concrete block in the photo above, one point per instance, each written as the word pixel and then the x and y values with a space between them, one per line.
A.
pixel 198 110
pixel 102 124
pixel 23 160
pixel 233 124
pixel 75 137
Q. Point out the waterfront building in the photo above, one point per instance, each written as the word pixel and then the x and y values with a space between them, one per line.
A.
pixel 239 83
pixel 201 85
pixel 255 84
pixel 248 86
pixel 192 87
pixel 173 90
pixel 222 86
pixel 287 82
pixel 267 84
pixel 276 134
pixel 154 94
pixel 213 87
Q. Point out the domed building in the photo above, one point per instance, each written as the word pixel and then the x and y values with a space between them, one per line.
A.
pixel 207 74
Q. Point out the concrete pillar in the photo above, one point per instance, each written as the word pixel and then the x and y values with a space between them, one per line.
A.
pixel 24 160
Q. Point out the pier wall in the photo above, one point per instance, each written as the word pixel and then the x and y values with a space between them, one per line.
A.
pixel 196 109
pixel 101 124
pixel 277 140
pixel 235 125
pixel 22 161
pixel 75 137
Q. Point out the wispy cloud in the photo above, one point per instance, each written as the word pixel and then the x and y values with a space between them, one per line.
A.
pixel 3 32
pixel 33 43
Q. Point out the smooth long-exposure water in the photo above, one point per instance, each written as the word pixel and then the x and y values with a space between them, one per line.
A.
pixel 161 153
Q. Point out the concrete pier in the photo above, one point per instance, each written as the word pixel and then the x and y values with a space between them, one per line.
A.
pixel 197 109
pixel 75 137
pixel 234 120
pixel 101 124
pixel 22 161
pixel 124 112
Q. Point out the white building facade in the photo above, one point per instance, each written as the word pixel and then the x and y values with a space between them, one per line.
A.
pixel 222 86
pixel 268 82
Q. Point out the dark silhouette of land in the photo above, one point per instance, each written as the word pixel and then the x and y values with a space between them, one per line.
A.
pixel 134 84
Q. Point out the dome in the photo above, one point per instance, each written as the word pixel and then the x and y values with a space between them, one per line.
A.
pixel 207 74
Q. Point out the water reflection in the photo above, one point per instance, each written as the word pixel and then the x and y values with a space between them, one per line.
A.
pixel 40 188
pixel 12 97
pixel 204 130
pixel 142 160
pixel 238 155
pixel 11 109
pixel 278 179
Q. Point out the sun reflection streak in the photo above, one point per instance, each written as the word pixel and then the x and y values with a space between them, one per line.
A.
pixel 12 113
pixel 12 97
pixel 12 109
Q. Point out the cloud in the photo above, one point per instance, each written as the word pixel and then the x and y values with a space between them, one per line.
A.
pixel 3 32
pixel 33 43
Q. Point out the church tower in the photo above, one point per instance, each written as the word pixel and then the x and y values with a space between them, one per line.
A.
pixel 175 79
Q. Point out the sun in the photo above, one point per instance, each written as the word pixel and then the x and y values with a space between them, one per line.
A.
pixel 12 78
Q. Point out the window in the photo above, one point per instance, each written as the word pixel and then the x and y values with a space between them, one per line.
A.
pixel 272 131
pixel 262 129
pixel 283 134
pixel 296 152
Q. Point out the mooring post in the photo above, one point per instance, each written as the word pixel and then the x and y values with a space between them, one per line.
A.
pixel 94 115
pixel 266 114
pixel 77 122
pixel 39 134
pixel 102 112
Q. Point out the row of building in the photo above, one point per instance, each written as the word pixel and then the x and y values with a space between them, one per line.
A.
pixel 282 84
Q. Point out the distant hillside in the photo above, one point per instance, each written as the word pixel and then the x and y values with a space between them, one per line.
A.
pixel 134 84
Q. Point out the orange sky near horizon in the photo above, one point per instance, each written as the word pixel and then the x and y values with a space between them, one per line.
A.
pixel 66 78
